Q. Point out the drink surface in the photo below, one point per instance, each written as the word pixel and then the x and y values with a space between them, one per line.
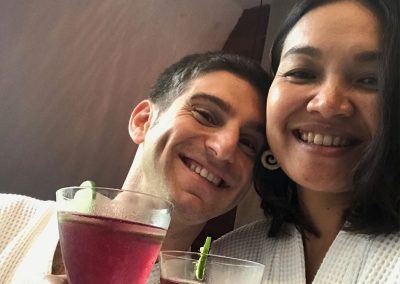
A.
pixel 178 281
pixel 105 250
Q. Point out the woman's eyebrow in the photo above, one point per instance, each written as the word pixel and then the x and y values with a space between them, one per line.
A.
pixel 305 50
pixel 368 56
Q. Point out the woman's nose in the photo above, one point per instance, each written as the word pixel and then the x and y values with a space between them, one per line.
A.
pixel 331 100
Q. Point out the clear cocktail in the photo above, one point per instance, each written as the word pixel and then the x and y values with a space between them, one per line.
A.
pixel 179 267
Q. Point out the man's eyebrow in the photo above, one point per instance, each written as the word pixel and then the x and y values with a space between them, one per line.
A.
pixel 305 50
pixel 368 56
pixel 213 99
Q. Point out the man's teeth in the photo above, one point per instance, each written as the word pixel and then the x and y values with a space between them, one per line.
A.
pixel 205 174
pixel 324 140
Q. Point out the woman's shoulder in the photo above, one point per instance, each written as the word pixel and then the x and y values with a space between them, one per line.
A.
pixel 253 230
pixel 248 242
pixel 381 258
pixel 388 244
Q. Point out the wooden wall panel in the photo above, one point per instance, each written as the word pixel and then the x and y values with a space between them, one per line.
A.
pixel 247 39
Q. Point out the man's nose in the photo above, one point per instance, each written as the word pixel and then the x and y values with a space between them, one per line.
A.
pixel 331 100
pixel 222 144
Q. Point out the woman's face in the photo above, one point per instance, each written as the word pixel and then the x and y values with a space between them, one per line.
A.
pixel 322 108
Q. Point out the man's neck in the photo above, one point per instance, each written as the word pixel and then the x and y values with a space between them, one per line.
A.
pixel 181 232
pixel 181 236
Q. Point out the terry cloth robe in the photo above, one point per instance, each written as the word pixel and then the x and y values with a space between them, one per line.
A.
pixel 28 238
pixel 352 258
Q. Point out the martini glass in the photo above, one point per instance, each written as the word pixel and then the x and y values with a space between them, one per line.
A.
pixel 110 235
pixel 178 267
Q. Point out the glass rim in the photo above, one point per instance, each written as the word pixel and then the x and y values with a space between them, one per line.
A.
pixel 181 255
pixel 169 203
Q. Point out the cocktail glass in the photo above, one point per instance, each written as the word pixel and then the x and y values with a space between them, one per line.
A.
pixel 180 266
pixel 114 238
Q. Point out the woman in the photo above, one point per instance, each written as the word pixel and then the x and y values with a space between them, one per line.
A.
pixel 333 197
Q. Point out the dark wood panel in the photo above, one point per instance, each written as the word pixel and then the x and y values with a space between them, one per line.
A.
pixel 247 39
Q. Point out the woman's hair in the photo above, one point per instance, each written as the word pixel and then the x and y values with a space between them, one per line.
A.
pixel 375 206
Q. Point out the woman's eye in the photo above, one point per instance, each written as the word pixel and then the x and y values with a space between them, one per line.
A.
pixel 369 82
pixel 204 116
pixel 300 75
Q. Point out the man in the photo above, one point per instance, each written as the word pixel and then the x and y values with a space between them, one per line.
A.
pixel 199 135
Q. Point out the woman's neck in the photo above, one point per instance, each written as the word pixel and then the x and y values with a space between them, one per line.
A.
pixel 326 212
pixel 324 209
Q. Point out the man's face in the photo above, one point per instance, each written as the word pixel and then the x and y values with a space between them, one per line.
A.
pixel 203 147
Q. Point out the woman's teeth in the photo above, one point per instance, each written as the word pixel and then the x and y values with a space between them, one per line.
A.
pixel 323 140
pixel 205 174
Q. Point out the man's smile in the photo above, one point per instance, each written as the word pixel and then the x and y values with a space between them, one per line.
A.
pixel 203 172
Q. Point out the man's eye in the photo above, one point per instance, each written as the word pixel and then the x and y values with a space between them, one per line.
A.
pixel 204 116
pixel 248 146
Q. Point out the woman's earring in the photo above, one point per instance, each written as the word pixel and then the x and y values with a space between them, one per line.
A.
pixel 268 160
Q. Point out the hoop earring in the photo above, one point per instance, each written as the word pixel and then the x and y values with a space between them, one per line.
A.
pixel 268 160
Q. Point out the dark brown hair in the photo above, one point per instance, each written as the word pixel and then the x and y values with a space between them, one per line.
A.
pixel 173 80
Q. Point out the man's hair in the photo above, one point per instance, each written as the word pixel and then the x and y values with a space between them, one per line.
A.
pixel 376 183
pixel 173 80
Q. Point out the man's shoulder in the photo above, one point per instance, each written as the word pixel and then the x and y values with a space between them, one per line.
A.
pixel 19 210
pixel 10 201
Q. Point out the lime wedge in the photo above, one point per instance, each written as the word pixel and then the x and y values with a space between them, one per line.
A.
pixel 201 263
pixel 84 198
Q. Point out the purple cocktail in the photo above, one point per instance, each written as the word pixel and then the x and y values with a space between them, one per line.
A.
pixel 115 239
pixel 105 250
pixel 177 281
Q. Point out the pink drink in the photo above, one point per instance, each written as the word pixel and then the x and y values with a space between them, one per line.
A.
pixel 105 250
pixel 177 281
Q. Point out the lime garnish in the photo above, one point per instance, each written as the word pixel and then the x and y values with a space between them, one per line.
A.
pixel 84 198
pixel 201 263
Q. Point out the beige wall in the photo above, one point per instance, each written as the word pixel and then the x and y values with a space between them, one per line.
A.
pixel 70 73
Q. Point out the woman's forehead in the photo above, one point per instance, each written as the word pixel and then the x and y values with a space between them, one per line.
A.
pixel 330 21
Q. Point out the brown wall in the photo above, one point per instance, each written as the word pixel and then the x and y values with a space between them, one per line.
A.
pixel 70 73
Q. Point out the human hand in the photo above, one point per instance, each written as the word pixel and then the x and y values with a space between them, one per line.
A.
pixel 55 279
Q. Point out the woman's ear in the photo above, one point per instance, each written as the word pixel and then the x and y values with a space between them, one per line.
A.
pixel 140 121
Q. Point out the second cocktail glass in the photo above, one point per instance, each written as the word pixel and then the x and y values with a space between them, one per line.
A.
pixel 114 237
pixel 178 267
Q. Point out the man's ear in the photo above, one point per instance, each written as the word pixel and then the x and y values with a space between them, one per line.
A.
pixel 140 121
